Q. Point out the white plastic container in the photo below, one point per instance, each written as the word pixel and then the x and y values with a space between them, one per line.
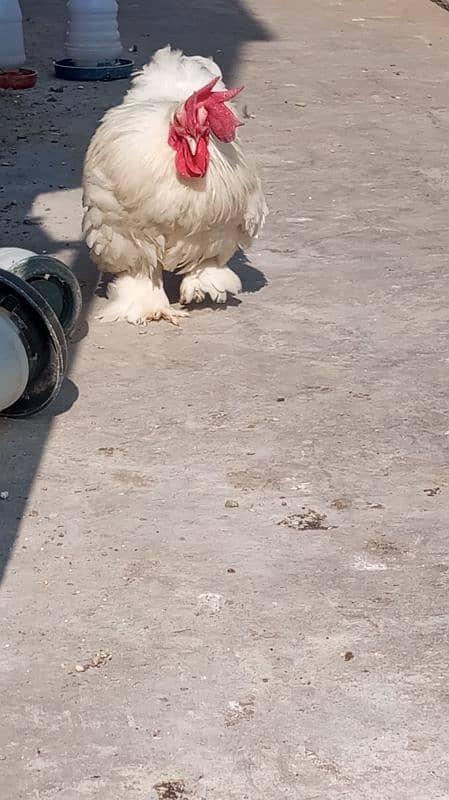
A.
pixel 92 31
pixel 12 255
pixel 12 49
pixel 14 370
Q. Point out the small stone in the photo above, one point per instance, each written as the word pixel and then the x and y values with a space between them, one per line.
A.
pixel 247 113
pixel 4 495
pixel 80 668
pixel 100 658
pixel 432 492
pixel 231 504
pixel 306 519
pixel 170 790
pixel 348 655
pixel 341 503
pixel 210 602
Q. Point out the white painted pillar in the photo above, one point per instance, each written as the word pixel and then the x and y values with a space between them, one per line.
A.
pixel 12 49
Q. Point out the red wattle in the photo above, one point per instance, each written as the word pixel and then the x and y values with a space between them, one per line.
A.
pixel 192 166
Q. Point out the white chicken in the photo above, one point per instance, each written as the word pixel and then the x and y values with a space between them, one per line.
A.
pixel 166 186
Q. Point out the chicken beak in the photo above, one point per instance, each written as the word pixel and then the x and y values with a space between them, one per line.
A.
pixel 193 145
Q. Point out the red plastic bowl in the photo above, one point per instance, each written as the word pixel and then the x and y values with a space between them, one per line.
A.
pixel 18 79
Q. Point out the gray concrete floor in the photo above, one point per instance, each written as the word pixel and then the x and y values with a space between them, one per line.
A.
pixel 238 658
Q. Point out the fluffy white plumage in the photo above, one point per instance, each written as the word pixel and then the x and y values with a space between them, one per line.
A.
pixel 142 218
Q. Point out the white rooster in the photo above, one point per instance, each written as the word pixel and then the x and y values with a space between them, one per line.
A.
pixel 166 187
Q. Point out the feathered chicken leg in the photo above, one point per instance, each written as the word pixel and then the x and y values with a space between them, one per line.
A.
pixel 137 294
pixel 140 299
pixel 209 278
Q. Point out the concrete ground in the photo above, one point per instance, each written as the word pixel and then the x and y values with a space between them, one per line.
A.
pixel 163 637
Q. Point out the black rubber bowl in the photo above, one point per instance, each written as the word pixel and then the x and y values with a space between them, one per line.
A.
pixel 71 71
pixel 44 341
pixel 56 283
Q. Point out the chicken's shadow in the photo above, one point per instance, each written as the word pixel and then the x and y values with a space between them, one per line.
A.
pixel 253 280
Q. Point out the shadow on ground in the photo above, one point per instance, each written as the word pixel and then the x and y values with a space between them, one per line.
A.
pixel 442 3
pixel 44 136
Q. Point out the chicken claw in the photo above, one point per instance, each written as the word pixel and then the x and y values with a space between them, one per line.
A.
pixel 169 314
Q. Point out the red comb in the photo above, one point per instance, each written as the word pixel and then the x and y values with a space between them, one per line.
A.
pixel 222 120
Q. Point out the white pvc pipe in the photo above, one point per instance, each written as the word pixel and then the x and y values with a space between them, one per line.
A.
pixel 14 370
